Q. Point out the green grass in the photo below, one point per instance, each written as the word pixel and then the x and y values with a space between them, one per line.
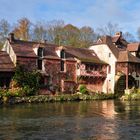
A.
pixel 57 98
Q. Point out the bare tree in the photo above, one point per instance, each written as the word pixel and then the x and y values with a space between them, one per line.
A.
pixel 55 30
pixel 138 33
pixel 39 31
pixel 109 29
pixel 87 36
pixel 4 30
pixel 129 37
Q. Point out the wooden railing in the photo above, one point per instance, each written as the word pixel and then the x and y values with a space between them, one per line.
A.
pixel 93 73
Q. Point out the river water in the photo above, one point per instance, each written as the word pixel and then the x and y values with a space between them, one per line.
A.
pixel 89 120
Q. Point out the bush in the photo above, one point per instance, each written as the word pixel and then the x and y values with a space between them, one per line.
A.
pixel 28 91
pixel 27 80
pixel 83 89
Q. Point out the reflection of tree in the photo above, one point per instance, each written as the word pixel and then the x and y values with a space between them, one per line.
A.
pixel 119 106
pixel 127 109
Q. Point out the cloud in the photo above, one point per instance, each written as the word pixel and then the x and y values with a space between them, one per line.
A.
pixel 93 13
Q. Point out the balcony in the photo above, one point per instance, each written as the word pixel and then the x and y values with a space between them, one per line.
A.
pixel 93 73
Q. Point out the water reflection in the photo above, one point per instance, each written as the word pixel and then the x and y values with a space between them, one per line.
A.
pixel 100 120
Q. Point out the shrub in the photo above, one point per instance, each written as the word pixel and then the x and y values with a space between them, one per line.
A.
pixel 83 89
pixel 28 91
pixel 27 80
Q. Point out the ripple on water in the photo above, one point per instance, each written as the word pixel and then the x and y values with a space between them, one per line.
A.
pixel 99 120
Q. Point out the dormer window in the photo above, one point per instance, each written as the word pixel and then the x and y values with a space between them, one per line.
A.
pixel 40 52
pixel 62 54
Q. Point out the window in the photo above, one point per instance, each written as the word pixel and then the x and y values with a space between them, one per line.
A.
pixel 109 54
pixel 62 54
pixel 91 67
pixel 40 52
pixel 95 67
pixel 62 65
pixel 137 83
pixel 109 69
pixel 78 66
pixel 87 67
pixel 39 64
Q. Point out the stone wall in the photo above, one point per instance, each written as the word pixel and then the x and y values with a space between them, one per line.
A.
pixel 94 84
pixel 68 86
pixel 53 70
pixel 71 70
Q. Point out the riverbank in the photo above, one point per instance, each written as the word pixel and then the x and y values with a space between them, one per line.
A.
pixel 54 98
pixel 133 95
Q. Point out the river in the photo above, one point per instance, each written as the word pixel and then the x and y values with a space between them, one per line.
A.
pixel 86 120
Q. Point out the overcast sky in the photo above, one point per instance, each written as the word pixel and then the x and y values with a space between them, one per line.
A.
pixel 94 13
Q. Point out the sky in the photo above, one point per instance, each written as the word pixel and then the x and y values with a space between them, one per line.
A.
pixel 94 13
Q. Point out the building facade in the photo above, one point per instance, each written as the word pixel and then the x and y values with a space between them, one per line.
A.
pixel 124 63
pixel 100 67
pixel 63 68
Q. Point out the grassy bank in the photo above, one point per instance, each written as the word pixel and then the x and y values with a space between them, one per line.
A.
pixel 135 95
pixel 55 98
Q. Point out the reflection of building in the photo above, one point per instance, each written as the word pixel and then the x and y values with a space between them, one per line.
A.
pixel 63 67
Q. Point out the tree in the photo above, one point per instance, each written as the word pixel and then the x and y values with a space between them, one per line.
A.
pixel 22 30
pixel 71 35
pixel 27 80
pixel 4 29
pixel 129 37
pixel 87 36
pixel 55 31
pixel 39 32
pixel 109 29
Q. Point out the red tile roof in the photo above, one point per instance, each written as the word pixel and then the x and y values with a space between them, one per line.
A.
pixel 126 56
pixel 108 40
pixel 84 54
pixel 25 49
pixel 6 64
pixel 133 47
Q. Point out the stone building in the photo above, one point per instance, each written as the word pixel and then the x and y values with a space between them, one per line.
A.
pixel 62 67
pixel 124 63
pixel 111 64
pixel 6 69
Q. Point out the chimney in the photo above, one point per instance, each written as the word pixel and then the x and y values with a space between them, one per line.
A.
pixel 11 37
pixel 44 41
pixel 118 33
